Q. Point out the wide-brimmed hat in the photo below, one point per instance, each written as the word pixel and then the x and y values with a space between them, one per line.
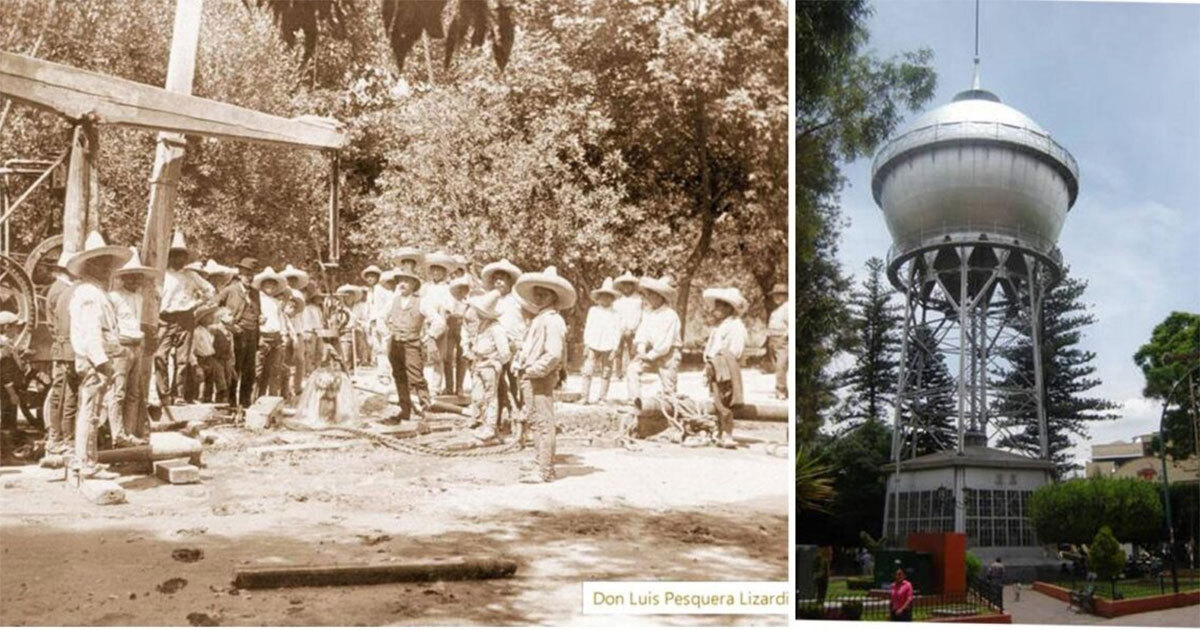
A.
pixel 664 286
pixel 264 275
pixel 347 289
pixel 134 266
pixel 606 288
pixel 292 272
pixel 388 276
pixel 371 269
pixel 729 295
pixel 550 280
pixel 399 274
pixel 626 278
pixel 461 281
pixel 441 259
pixel 248 263
pixel 779 289
pixel 177 242
pixel 485 304
pixel 461 261
pixel 296 295
pixel 8 318
pixel 500 266
pixel 95 247
pixel 408 253
pixel 196 266
pixel 214 268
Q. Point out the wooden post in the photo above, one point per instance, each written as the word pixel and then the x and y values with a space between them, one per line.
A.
pixel 167 164
pixel 75 206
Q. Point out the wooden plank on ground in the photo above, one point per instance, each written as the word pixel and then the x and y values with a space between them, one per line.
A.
pixel 345 575
pixel 73 92
pixel 307 446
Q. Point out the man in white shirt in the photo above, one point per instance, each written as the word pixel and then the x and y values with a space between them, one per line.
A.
pixel 454 366
pixel 777 339
pixel 124 414
pixel 500 276
pixel 183 291
pixel 95 339
pixel 602 334
pixel 722 357
pixel 381 302
pixel 268 378
pixel 629 306
pixel 658 342
pixel 435 295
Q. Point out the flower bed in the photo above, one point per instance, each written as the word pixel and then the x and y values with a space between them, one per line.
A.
pixel 1110 608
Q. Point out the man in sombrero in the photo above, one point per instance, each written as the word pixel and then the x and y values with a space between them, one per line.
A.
pixel 242 300
pixel 183 291
pixel 543 352
pixel 62 401
pixel 454 365
pixel 777 338
pixel 628 305
pixel 96 341
pixel 375 302
pixel 435 294
pixel 272 291
pixel 601 336
pixel 407 323
pixel 500 276
pixel 124 413
pixel 723 355
pixel 658 342
pixel 488 350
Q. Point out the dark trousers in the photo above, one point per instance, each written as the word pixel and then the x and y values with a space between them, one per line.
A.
pixel 408 370
pixel 174 340
pixel 245 349
pixel 62 402
pixel 269 367
pixel 508 389
pixel 904 616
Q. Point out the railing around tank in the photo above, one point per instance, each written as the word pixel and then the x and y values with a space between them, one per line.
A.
pixel 972 130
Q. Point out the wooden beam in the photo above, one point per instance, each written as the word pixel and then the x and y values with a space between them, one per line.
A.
pixel 352 575
pixel 74 93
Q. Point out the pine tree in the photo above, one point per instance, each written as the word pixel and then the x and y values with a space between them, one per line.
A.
pixel 1068 374
pixel 875 320
pixel 934 408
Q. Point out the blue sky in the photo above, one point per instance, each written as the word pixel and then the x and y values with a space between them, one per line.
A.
pixel 1118 84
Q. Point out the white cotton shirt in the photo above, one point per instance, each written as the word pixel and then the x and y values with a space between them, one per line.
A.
pixel 661 330
pixel 94 335
pixel 272 313
pixel 630 308
pixel 129 313
pixel 729 336
pixel 777 323
pixel 602 332
pixel 512 318
pixel 184 290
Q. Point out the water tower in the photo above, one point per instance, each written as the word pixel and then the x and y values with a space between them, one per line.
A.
pixel 974 194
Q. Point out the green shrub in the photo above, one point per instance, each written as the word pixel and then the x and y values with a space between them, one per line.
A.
pixel 974 566
pixel 860 583
pixel 810 611
pixel 1106 557
pixel 1070 512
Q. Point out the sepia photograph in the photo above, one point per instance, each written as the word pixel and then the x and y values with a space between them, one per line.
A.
pixel 395 312
pixel 998 313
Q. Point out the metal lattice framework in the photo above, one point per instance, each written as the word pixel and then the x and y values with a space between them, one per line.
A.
pixel 969 300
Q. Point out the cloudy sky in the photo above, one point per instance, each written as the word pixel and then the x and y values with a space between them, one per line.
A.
pixel 1118 84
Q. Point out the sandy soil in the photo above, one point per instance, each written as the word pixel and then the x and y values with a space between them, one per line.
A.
pixel 664 512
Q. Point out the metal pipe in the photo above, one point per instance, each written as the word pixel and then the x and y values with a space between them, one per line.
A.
pixel 335 250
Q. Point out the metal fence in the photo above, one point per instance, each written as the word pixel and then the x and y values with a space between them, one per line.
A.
pixel 981 597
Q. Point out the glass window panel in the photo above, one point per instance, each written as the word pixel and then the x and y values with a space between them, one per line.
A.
pixel 999 534
pixel 985 503
pixel 969 501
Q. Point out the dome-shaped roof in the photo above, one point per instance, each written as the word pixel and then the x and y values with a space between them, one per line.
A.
pixel 979 106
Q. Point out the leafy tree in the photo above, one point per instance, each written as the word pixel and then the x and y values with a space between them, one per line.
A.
pixel 1070 511
pixel 876 321
pixel 1185 517
pixel 847 102
pixel 1068 374
pixel 856 458
pixel 1106 557
pixel 1174 350
pixel 813 490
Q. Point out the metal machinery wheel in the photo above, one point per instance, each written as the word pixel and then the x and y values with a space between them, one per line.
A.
pixel 19 295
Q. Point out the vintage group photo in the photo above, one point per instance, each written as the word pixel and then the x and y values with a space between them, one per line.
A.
pixel 390 312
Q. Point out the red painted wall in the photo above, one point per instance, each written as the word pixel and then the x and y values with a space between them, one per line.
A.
pixel 949 551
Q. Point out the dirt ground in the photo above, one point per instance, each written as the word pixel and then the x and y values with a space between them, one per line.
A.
pixel 664 512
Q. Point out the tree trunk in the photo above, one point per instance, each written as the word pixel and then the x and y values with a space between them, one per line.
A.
pixel 705 207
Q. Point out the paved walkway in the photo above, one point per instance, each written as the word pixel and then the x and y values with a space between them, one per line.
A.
pixel 1037 608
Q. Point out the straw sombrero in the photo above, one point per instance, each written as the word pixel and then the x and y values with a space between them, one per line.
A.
pixel 292 272
pixel 501 266
pixel 177 242
pixel 297 295
pixel 214 268
pixel 347 288
pixel 441 259
pixel 779 289
pixel 485 304
pixel 729 295
pixel 397 274
pixel 607 288
pixel 550 280
pixel 95 247
pixel 263 276
pixel 248 264
pixel 371 269
pixel 134 265
pixel 664 286
pixel 408 253
pixel 461 282
pixel 196 266
pixel 626 278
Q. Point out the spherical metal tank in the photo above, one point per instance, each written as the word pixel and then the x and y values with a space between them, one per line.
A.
pixel 974 167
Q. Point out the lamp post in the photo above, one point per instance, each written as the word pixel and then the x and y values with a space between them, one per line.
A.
pixel 1162 452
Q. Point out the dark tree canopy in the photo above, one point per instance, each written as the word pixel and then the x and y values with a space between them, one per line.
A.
pixel 1072 511
pixel 876 321
pixel 1170 358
